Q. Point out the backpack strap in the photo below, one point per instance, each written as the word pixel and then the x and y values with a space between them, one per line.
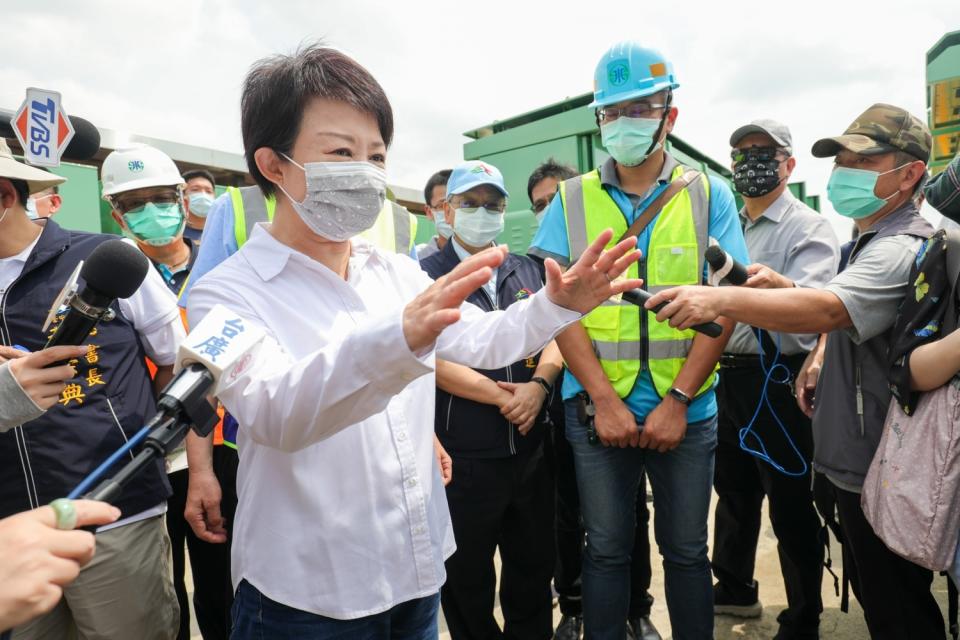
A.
pixel 951 319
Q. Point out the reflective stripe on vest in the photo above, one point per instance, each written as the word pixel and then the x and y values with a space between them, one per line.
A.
pixel 624 343
pixel 250 208
pixel 394 230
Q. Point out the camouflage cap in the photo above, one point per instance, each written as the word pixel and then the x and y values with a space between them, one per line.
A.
pixel 883 128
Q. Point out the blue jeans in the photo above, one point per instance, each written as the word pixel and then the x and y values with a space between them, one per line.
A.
pixel 682 481
pixel 257 617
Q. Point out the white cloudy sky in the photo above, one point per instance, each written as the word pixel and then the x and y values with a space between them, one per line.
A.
pixel 173 69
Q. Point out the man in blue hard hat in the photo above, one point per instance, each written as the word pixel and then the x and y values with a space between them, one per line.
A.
pixel 645 389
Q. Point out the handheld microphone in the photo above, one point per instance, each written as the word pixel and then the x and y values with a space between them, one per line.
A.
pixel 724 267
pixel 220 348
pixel 83 146
pixel 115 269
pixel 639 297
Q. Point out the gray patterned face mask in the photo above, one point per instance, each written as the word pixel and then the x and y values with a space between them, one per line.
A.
pixel 343 199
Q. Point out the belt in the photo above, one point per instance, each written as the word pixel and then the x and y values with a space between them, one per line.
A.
pixel 752 361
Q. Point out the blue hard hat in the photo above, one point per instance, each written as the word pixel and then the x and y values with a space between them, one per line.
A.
pixel 627 71
pixel 473 173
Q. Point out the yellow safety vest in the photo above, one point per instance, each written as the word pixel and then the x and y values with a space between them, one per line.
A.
pixel 394 230
pixel 625 338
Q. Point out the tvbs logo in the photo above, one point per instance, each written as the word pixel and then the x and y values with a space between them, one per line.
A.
pixel 42 127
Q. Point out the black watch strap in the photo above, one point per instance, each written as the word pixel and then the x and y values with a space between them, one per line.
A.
pixel 547 387
pixel 680 396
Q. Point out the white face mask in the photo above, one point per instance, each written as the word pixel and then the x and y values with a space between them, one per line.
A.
pixel 479 227
pixel 343 199
pixel 31 206
pixel 443 229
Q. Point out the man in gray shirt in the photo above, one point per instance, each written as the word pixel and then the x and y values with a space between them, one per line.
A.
pixel 880 162
pixel 791 246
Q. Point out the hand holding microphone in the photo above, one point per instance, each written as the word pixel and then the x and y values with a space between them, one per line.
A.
pixel 763 277
pixel 691 306
pixel 37 374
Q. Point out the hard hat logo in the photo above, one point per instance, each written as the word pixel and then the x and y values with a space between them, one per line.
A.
pixel 618 73
pixel 658 69
pixel 135 165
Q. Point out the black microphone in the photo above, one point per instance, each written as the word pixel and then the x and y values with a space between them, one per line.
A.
pixel 639 297
pixel 85 142
pixel 724 266
pixel 115 269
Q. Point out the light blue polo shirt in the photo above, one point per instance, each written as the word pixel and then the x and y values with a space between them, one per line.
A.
pixel 551 242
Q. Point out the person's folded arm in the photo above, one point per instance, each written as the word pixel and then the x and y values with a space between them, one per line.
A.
pixel 466 383
pixel 933 364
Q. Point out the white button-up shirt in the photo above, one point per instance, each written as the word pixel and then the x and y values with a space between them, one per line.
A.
pixel 342 510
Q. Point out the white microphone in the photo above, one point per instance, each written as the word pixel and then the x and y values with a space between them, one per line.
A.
pixel 218 350
pixel 223 345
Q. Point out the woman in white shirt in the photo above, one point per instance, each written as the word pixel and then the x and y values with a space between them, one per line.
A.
pixel 342 526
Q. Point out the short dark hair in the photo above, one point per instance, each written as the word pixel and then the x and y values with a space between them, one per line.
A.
pixel 198 173
pixel 278 88
pixel 549 169
pixel 439 179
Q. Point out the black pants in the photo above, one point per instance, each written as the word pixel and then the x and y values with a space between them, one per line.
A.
pixel 742 480
pixel 894 592
pixel 570 537
pixel 505 503
pixel 209 563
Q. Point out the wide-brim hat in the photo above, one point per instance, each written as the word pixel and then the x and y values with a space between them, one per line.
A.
pixel 36 179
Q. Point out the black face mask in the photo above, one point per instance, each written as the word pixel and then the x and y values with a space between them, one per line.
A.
pixel 756 171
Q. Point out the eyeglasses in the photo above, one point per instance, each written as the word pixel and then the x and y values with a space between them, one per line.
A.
pixel 634 110
pixel 127 205
pixel 757 153
pixel 471 206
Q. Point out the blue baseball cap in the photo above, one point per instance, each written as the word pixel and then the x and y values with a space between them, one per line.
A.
pixel 473 173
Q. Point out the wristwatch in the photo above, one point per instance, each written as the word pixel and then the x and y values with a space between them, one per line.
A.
pixel 547 387
pixel 680 396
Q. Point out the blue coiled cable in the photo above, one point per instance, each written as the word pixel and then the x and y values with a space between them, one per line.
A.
pixel 747 431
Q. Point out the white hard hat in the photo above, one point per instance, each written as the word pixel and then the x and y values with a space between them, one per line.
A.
pixel 136 167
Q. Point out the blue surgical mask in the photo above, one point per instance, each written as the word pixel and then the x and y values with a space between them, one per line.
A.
pixel 478 227
pixel 200 203
pixel 851 192
pixel 444 230
pixel 32 209
pixel 155 224
pixel 628 139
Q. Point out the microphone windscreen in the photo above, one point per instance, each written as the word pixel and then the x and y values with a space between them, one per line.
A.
pixel 85 142
pixel 724 264
pixel 715 257
pixel 115 269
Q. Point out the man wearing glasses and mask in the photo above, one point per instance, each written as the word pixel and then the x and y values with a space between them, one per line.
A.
pixel 791 246
pixel 490 422
pixel 645 389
